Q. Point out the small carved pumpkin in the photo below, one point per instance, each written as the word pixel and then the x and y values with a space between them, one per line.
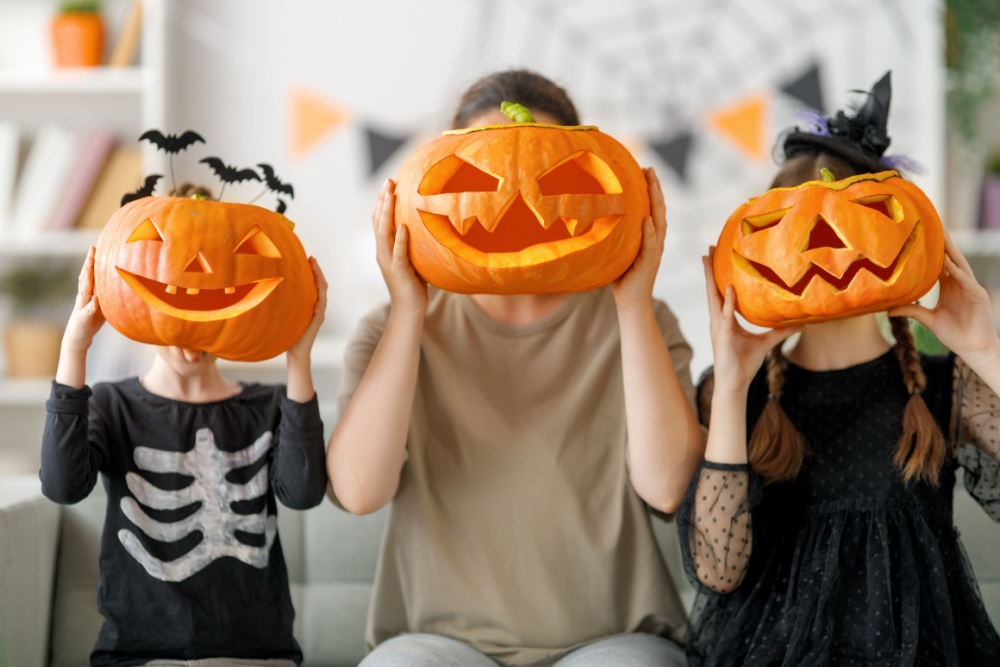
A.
pixel 830 249
pixel 522 208
pixel 229 279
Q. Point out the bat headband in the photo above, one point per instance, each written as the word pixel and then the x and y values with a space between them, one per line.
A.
pixel 860 139
pixel 172 144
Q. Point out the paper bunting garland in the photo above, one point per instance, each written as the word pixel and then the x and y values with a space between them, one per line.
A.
pixel 312 118
pixel 744 124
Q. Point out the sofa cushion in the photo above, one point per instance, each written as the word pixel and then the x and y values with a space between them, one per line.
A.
pixel 27 565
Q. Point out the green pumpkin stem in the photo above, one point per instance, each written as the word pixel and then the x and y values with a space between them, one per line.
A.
pixel 827 175
pixel 516 112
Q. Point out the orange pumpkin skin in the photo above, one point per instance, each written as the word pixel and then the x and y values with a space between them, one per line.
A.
pixel 827 250
pixel 229 279
pixel 522 208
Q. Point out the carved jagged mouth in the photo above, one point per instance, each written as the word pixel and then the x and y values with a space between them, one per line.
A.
pixel 885 274
pixel 197 304
pixel 511 238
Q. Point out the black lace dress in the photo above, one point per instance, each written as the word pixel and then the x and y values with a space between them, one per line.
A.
pixel 849 565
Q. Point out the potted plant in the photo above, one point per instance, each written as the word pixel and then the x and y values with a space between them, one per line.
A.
pixel 39 299
pixel 78 34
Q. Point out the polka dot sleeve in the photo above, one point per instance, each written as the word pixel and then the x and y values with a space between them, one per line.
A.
pixel 977 422
pixel 715 525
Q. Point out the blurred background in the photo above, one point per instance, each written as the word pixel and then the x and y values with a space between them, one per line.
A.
pixel 335 95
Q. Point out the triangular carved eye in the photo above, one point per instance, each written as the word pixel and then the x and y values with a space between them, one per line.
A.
pixel 883 204
pixel 146 231
pixel 453 174
pixel 582 173
pixel 257 243
pixel 758 223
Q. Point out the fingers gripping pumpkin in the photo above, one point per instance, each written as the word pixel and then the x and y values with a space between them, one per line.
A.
pixel 225 278
pixel 522 208
pixel 830 249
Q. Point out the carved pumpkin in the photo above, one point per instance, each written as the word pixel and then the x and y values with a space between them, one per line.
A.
pixel 826 250
pixel 229 279
pixel 522 208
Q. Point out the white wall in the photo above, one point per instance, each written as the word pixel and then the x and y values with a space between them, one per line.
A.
pixel 639 70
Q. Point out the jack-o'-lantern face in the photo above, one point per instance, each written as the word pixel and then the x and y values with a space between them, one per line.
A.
pixel 826 250
pixel 522 208
pixel 229 279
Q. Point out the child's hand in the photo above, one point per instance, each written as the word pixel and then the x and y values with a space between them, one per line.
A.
pixel 963 318
pixel 738 354
pixel 86 317
pixel 407 292
pixel 303 346
pixel 83 324
pixel 635 287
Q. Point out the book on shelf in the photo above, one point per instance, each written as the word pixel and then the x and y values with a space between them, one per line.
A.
pixel 50 160
pixel 122 173
pixel 126 46
pixel 94 150
pixel 10 142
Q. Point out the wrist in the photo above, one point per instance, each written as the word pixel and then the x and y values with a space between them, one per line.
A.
pixel 634 307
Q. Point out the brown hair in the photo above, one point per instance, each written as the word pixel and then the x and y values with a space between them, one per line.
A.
pixel 532 90
pixel 777 450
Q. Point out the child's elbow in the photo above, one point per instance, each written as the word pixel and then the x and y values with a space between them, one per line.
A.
pixel 719 583
pixel 60 492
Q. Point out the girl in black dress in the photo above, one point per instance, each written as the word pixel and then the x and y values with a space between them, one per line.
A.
pixel 826 536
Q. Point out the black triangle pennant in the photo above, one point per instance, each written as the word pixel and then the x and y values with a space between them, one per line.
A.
pixel 675 152
pixel 381 147
pixel 807 89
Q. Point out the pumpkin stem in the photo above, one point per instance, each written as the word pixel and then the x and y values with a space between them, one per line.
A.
pixel 516 112
pixel 827 175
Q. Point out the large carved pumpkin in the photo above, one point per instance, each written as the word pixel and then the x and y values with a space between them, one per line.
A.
pixel 229 279
pixel 522 208
pixel 830 249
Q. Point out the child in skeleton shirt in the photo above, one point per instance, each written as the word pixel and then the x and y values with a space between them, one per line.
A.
pixel 826 538
pixel 191 564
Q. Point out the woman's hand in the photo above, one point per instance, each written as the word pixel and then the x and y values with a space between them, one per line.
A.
pixel 635 287
pixel 963 318
pixel 738 354
pixel 303 346
pixel 407 292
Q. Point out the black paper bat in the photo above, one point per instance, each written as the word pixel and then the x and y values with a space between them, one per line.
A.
pixel 145 191
pixel 273 183
pixel 228 174
pixel 171 143
pixel 281 205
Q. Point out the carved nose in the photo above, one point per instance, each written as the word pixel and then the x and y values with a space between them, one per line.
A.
pixel 823 236
pixel 198 265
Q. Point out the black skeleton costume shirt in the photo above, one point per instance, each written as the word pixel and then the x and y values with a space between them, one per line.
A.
pixel 191 565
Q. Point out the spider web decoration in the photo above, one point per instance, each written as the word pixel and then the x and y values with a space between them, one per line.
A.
pixel 658 67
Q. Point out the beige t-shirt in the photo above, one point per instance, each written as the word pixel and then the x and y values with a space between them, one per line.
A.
pixel 515 527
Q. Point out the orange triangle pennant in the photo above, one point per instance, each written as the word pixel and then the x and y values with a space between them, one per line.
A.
pixel 312 118
pixel 744 124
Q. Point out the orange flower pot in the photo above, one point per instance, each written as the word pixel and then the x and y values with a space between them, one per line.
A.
pixel 78 39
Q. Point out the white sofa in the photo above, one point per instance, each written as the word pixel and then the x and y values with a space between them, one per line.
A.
pixel 48 574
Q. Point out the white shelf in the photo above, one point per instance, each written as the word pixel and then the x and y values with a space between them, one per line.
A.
pixel 59 243
pixel 89 80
